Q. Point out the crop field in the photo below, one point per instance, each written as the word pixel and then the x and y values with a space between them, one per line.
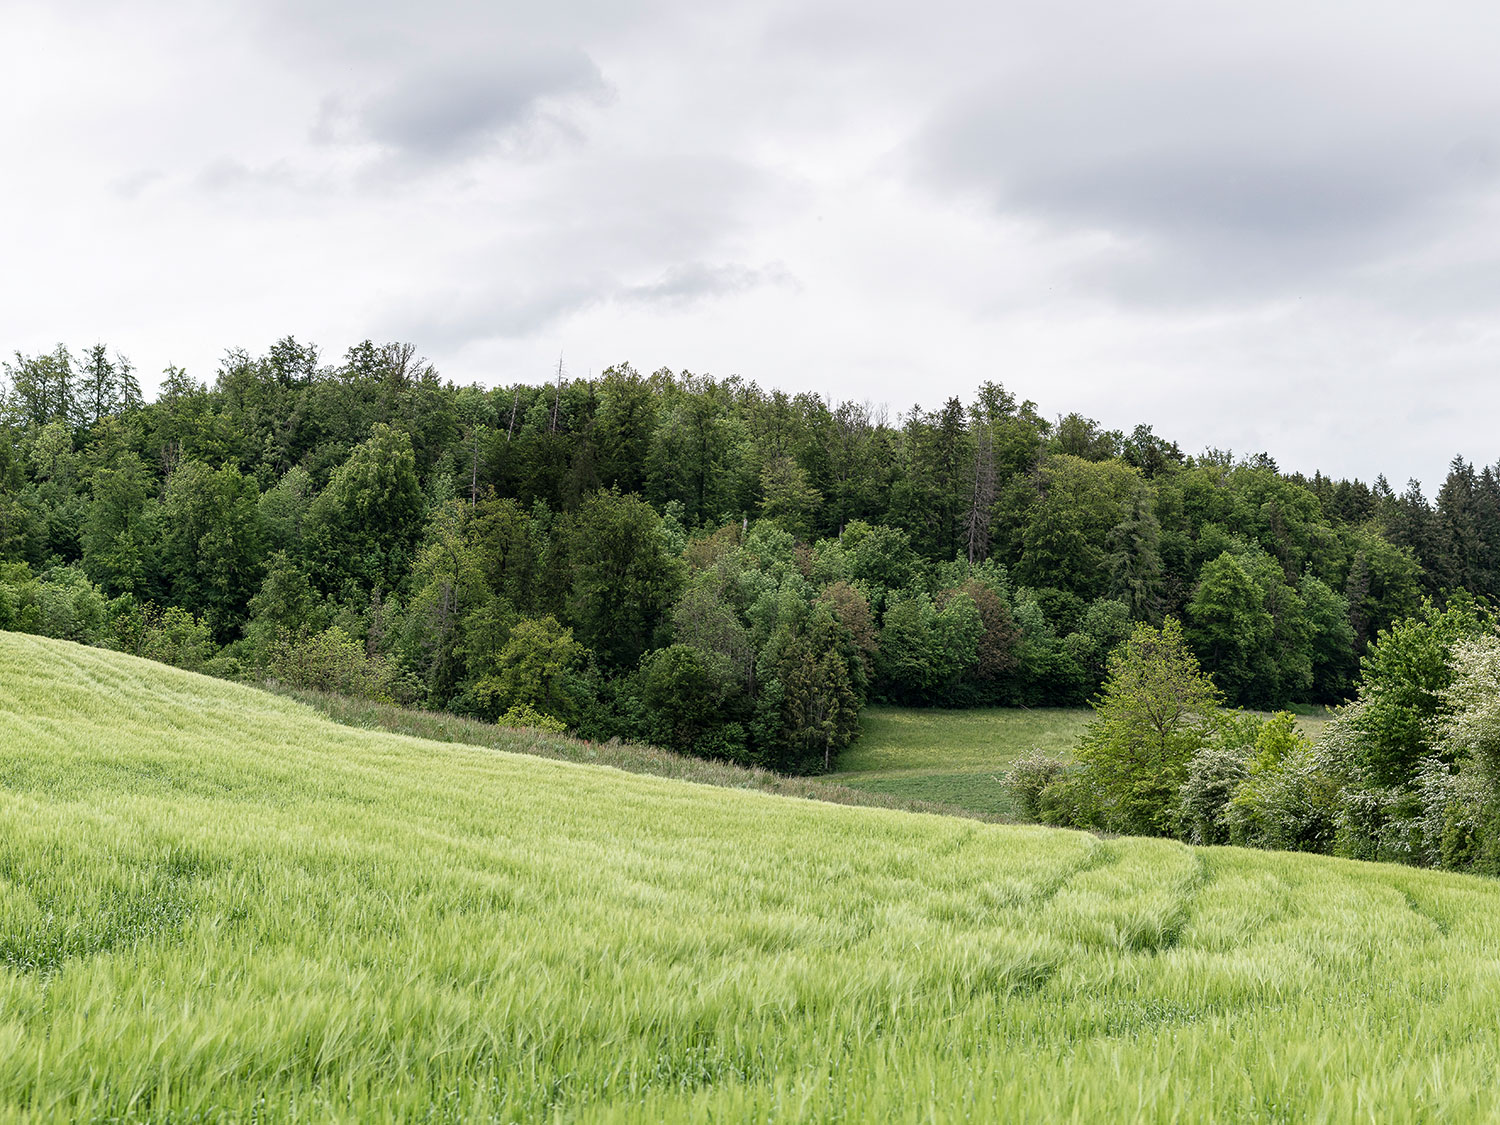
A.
pixel 216 904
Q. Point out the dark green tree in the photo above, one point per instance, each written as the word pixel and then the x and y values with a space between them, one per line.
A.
pixel 362 529
pixel 622 576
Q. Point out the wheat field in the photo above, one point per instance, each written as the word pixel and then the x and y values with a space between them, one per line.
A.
pixel 216 904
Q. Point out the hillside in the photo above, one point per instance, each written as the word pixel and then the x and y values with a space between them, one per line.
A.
pixel 215 903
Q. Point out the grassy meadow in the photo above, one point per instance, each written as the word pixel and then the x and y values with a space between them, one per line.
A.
pixel 954 757
pixel 218 904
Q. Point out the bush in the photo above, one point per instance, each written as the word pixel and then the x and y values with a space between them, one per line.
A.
pixel 1460 824
pixel 1070 801
pixel 332 661
pixel 528 718
pixel 542 669
pixel 1380 824
pixel 175 636
pixel 1214 775
pixel 63 603
pixel 1291 804
pixel 1028 777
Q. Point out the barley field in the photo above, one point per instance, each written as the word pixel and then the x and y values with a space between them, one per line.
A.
pixel 216 904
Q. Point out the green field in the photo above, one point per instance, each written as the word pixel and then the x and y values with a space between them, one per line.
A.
pixel 216 904
pixel 954 757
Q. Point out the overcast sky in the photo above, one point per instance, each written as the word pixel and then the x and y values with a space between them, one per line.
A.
pixel 1265 226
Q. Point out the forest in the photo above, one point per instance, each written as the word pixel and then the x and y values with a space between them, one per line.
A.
pixel 691 561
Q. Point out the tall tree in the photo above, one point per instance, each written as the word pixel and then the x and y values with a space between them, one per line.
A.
pixel 1156 709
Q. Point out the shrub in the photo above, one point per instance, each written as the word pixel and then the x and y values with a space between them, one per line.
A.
pixel 1381 824
pixel 541 668
pixel 1292 804
pixel 1028 777
pixel 175 636
pixel 1213 776
pixel 331 661
pixel 64 604
pixel 525 717
pixel 1070 801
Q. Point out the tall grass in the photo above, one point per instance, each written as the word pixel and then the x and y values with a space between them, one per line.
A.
pixel 215 904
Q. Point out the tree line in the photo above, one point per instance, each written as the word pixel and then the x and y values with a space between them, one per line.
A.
pixel 698 562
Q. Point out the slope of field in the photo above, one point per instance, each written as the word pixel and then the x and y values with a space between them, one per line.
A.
pixel 954 757
pixel 216 904
pixel 443 726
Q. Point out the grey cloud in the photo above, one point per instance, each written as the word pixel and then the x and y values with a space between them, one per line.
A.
pixel 698 281
pixel 225 174
pixel 508 309
pixel 133 184
pixel 1254 176
pixel 455 108
pixel 505 310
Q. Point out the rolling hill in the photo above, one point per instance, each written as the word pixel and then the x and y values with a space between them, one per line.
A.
pixel 216 904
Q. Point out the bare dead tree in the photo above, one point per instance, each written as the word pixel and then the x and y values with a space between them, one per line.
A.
pixel 982 497
pixel 557 392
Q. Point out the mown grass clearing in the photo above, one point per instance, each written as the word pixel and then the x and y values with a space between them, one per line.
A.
pixel 956 758
pixel 216 904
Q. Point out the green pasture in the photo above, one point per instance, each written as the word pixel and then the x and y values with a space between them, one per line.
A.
pixel 216 904
pixel 954 757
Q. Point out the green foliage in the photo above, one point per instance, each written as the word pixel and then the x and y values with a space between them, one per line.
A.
pixel 174 636
pixel 120 537
pixel 1404 677
pixel 61 603
pixel 426 520
pixel 1288 800
pixel 692 702
pixel 363 527
pixel 541 668
pixel 924 649
pixel 622 578
pixel 1468 729
pixel 787 497
pixel 523 717
pixel 1214 774
pixel 808 710
pixel 1077 505
pixel 212 549
pixel 1156 710
pixel 1028 777
pixel 331 660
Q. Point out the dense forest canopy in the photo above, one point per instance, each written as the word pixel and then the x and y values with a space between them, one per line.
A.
pixel 699 562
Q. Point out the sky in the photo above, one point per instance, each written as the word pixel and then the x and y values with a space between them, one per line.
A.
pixel 1256 227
